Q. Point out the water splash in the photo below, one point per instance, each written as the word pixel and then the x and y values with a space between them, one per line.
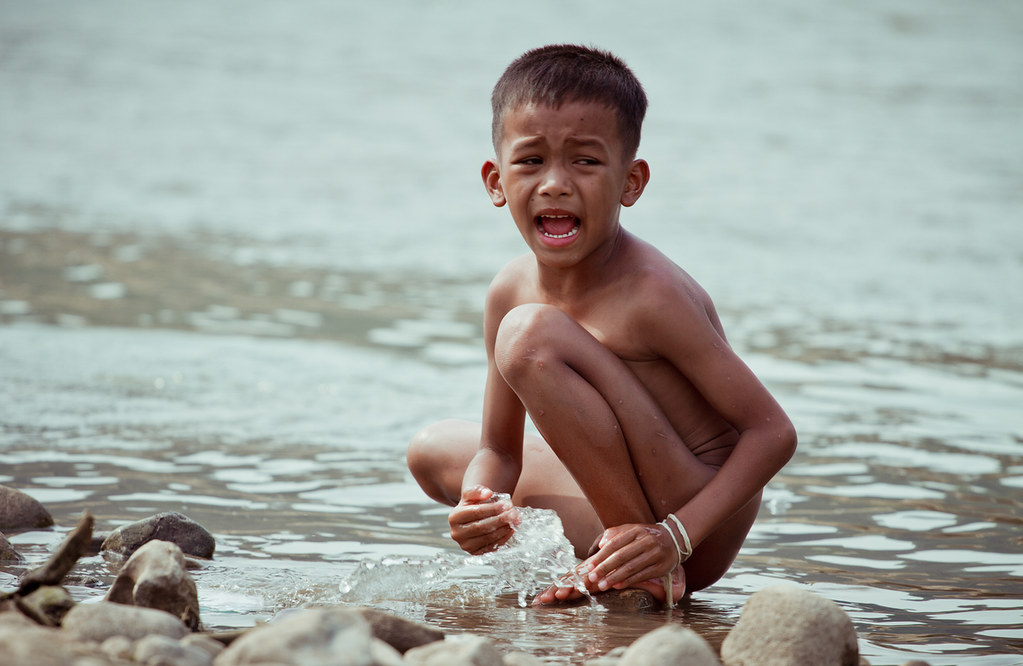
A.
pixel 537 556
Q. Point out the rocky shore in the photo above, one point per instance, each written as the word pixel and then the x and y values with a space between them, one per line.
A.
pixel 150 615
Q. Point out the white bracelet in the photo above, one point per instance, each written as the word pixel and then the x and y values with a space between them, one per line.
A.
pixel 685 538
pixel 678 549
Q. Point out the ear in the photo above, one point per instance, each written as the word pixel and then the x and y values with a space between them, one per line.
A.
pixel 635 182
pixel 492 181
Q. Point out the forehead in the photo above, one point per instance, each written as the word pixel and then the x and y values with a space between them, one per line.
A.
pixel 571 121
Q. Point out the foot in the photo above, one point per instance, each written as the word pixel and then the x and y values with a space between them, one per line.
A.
pixel 566 592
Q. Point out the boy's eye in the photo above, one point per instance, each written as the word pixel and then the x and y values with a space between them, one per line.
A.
pixel 530 161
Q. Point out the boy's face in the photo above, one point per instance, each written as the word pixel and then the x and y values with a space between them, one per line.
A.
pixel 564 175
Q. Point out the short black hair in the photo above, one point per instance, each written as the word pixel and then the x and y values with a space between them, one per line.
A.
pixel 559 73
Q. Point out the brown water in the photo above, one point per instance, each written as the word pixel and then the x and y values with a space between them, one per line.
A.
pixel 243 254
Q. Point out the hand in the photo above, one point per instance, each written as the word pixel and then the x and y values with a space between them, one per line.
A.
pixel 479 524
pixel 629 555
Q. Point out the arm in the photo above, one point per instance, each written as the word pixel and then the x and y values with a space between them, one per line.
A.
pixel 678 324
pixel 477 523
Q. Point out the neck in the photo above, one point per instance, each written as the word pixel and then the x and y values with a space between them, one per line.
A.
pixel 571 283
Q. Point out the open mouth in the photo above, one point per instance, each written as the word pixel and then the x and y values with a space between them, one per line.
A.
pixel 558 226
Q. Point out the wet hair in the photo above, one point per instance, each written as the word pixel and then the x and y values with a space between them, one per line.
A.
pixel 558 73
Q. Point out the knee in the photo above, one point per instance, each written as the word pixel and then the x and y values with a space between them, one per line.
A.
pixel 525 339
pixel 423 450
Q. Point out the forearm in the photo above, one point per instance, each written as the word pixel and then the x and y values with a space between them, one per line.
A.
pixel 756 458
pixel 492 469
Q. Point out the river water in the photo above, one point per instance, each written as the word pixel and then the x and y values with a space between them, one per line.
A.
pixel 244 247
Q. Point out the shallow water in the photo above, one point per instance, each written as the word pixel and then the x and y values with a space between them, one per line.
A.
pixel 243 253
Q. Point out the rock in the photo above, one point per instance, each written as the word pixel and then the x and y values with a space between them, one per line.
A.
pixel 784 625
pixel 155 577
pixel 209 645
pixel 60 563
pixel 191 537
pixel 7 552
pixel 119 647
pixel 670 645
pixel 19 511
pixel 158 650
pixel 399 633
pixel 314 637
pixel 101 620
pixel 47 605
pixel 25 643
pixel 461 650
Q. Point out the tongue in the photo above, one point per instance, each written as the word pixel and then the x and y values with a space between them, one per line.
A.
pixel 557 226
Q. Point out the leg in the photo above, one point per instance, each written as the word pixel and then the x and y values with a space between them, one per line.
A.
pixel 439 454
pixel 608 430
pixel 598 417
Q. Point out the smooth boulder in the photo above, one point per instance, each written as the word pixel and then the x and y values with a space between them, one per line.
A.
pixel 191 537
pixel 155 577
pixel 459 650
pixel 313 637
pixel 19 511
pixel 785 625
pixel 670 645
pixel 103 619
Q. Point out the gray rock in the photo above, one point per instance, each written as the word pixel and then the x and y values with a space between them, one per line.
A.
pixel 163 651
pixel 25 643
pixel 191 537
pixel 101 620
pixel 19 511
pixel 314 637
pixel 7 551
pixel 47 605
pixel 670 645
pixel 399 633
pixel 461 650
pixel 155 577
pixel 784 625
pixel 209 645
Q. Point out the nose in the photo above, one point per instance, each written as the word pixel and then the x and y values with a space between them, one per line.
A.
pixel 556 181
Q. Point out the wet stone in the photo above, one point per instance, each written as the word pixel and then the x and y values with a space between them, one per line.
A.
pixel 101 620
pixel 19 511
pixel 155 577
pixel 463 650
pixel 670 645
pixel 399 633
pixel 191 537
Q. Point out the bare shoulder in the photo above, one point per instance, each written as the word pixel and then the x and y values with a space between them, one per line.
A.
pixel 667 294
pixel 507 289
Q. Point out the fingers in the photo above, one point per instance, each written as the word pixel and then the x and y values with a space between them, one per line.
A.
pixel 629 554
pixel 479 525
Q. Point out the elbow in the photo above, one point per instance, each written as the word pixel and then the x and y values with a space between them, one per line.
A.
pixel 786 440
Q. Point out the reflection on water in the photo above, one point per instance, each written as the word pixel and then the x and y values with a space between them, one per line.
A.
pixel 237 272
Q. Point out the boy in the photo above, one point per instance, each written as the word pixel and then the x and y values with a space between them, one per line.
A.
pixel 657 440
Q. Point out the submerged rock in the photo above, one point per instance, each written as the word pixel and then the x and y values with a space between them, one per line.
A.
pixel 670 645
pixel 784 625
pixel 19 511
pixel 191 537
pixel 101 620
pixel 155 577
pixel 314 637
